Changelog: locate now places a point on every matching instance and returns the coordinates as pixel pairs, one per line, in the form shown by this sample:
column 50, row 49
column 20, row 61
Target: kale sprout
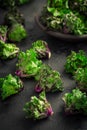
column 79, row 5
column 74, row 23
column 81, row 78
column 41, row 48
column 17, row 33
column 10, row 85
column 38, row 108
column 54, row 5
column 28, row 65
column 3, row 33
column 13, row 16
column 48, row 80
column 75, row 102
column 75, row 61
column 8, row 50
column 15, row 21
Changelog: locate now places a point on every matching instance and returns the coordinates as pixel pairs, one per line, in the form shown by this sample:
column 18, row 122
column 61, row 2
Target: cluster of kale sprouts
column 29, row 64
column 65, row 16
column 62, row 15
column 76, row 65
column 48, row 80
column 12, row 30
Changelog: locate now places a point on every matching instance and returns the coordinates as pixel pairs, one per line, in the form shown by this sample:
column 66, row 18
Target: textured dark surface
column 12, row 116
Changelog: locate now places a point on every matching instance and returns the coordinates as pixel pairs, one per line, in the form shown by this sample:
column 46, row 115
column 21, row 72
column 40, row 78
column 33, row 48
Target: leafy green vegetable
column 57, row 3
column 38, row 108
column 81, row 78
column 48, row 80
column 16, row 33
column 75, row 61
column 58, row 16
column 28, row 64
column 74, row 23
column 75, row 102
column 51, row 21
column 15, row 21
column 13, row 16
column 10, row 85
column 41, row 48
column 3, row 32
column 8, row 50
column 54, row 5
column 79, row 5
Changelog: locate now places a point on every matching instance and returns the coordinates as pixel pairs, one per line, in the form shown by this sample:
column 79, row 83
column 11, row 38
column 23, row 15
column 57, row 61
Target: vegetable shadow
column 73, row 122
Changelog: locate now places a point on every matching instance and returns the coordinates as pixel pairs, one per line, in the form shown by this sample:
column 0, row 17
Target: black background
column 12, row 116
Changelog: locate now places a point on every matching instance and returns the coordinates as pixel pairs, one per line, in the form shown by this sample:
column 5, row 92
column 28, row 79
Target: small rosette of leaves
column 13, row 17
column 53, row 5
column 8, row 50
column 3, row 33
column 17, row 33
column 52, row 14
column 10, row 85
column 53, row 21
column 28, row 65
column 75, row 102
column 41, row 48
column 79, row 5
column 81, row 78
column 48, row 80
column 75, row 61
column 74, row 23
column 38, row 108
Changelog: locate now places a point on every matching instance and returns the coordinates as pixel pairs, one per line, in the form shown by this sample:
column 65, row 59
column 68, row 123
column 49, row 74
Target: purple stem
column 49, row 111
column 18, row 73
column 48, row 52
column 38, row 88
column 3, row 38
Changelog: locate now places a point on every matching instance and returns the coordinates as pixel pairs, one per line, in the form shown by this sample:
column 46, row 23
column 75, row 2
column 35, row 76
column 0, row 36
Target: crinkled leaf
column 10, row 86
column 38, row 108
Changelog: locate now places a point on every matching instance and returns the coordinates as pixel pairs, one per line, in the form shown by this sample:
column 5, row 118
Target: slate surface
column 12, row 116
